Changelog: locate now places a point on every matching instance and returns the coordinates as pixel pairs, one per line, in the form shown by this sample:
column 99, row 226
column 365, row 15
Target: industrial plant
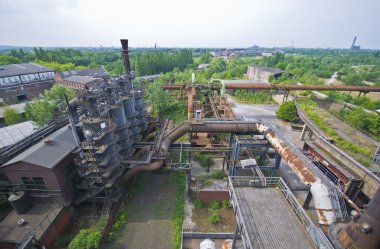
column 92, row 154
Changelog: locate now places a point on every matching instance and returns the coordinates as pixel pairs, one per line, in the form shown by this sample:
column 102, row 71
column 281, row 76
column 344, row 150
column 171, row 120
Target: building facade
column 258, row 72
column 43, row 169
column 21, row 82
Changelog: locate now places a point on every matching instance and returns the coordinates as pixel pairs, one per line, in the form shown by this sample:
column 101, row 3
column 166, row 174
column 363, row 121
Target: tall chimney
column 124, row 51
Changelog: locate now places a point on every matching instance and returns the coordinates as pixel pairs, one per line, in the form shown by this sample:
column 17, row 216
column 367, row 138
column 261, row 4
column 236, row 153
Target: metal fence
column 315, row 233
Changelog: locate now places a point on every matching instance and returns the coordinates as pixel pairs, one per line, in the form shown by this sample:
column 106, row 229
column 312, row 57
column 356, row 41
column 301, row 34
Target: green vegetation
column 198, row 204
column 226, row 204
column 361, row 101
column 213, row 212
column 249, row 97
column 213, row 216
column 4, row 203
column 178, row 217
column 138, row 184
column 287, row 111
column 164, row 105
column 121, row 220
column 219, row 174
column 43, row 110
column 88, row 238
column 11, row 116
column 368, row 122
column 317, row 116
column 204, row 159
column 160, row 62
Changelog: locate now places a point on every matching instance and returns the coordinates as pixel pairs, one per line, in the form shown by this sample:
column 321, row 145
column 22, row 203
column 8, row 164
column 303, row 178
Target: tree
column 11, row 116
column 58, row 92
column 287, row 111
column 40, row 111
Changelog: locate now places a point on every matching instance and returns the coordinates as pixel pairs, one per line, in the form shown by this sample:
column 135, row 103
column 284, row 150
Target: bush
column 287, row 111
column 117, row 225
column 218, row 174
column 204, row 159
column 213, row 216
column 215, row 205
column 226, row 204
column 86, row 239
column 198, row 204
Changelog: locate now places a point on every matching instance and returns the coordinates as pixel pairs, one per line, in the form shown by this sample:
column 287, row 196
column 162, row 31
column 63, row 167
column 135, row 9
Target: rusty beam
column 363, row 89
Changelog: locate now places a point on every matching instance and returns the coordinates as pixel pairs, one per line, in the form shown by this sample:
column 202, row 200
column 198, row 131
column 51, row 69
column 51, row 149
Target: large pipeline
column 290, row 87
column 190, row 103
column 319, row 190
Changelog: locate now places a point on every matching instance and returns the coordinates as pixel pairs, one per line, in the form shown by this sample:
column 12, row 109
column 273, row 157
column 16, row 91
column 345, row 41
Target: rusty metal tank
column 227, row 244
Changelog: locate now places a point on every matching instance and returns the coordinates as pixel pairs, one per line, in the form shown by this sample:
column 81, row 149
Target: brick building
column 42, row 170
column 20, row 82
column 258, row 72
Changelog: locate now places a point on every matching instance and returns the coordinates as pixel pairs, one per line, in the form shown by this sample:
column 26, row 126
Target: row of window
column 13, row 80
column 34, row 184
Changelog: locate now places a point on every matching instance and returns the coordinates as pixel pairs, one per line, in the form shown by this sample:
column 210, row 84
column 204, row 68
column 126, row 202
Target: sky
column 191, row 23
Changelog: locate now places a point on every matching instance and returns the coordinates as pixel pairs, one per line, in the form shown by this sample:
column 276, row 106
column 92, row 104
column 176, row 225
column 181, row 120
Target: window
column 34, row 184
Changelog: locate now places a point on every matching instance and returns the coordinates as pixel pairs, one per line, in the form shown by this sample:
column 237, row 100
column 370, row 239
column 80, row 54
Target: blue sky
column 195, row 23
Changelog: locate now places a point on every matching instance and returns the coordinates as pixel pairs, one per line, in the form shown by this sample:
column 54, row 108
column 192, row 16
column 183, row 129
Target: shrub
column 287, row 111
column 86, row 239
column 198, row 204
column 213, row 216
column 218, row 174
column 226, row 204
column 215, row 205
column 117, row 225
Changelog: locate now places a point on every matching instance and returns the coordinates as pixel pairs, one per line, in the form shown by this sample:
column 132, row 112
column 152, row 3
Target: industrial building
column 109, row 140
column 258, row 72
column 21, row 82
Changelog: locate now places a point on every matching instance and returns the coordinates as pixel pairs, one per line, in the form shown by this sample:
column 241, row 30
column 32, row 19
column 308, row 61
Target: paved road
column 267, row 113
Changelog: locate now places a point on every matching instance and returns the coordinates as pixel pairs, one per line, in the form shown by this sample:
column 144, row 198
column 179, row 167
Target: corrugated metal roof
column 93, row 72
column 81, row 79
column 48, row 154
column 11, row 134
column 24, row 68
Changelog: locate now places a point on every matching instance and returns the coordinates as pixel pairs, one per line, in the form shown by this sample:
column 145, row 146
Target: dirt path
column 150, row 212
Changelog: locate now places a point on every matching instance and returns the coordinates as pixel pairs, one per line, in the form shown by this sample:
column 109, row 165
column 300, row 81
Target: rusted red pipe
column 190, row 103
column 291, row 87
column 145, row 167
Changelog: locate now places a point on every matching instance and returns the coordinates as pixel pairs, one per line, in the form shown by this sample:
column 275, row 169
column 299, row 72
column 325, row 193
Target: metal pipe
column 319, row 190
column 190, row 103
column 290, row 87
column 124, row 51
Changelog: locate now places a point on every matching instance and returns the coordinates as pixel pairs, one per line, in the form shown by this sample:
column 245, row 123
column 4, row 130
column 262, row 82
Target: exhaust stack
column 124, row 51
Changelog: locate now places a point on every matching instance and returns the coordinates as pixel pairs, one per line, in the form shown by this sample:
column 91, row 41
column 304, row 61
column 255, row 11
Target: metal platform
column 270, row 216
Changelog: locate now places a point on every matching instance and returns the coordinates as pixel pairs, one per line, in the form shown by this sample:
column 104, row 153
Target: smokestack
column 124, row 51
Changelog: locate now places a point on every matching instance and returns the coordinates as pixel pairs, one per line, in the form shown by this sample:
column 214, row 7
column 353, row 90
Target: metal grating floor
column 270, row 222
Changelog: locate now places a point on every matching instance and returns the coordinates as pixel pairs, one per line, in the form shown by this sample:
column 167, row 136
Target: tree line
column 159, row 62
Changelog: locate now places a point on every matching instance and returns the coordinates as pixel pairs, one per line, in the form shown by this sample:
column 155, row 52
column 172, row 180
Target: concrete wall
column 208, row 196
column 371, row 182
column 31, row 90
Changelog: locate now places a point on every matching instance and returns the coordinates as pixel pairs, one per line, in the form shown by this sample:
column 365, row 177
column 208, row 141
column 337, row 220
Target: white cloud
column 196, row 23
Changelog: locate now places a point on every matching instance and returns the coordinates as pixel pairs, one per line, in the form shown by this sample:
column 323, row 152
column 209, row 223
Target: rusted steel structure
column 364, row 89
column 364, row 229
column 304, row 87
column 318, row 189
